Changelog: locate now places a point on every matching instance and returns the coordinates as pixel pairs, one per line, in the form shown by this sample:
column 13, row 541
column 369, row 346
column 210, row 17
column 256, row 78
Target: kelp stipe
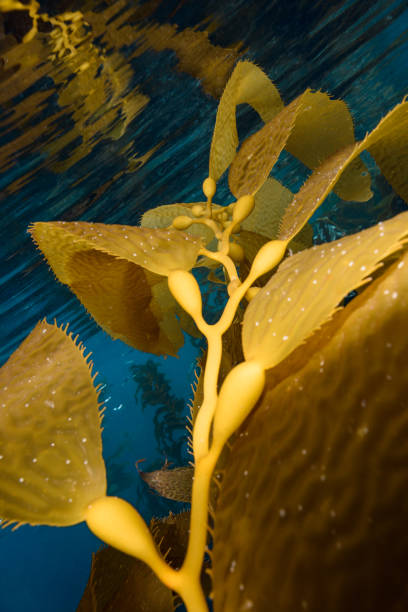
column 144, row 284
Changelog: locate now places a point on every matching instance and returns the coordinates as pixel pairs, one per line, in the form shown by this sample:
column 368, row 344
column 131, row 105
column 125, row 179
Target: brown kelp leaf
column 391, row 152
column 120, row 582
column 108, row 268
column 173, row 483
column 51, row 464
column 259, row 152
column 247, row 84
column 121, row 297
column 314, row 493
column 387, row 139
column 323, row 127
column 171, row 535
column 157, row 250
column 271, row 202
column 307, row 288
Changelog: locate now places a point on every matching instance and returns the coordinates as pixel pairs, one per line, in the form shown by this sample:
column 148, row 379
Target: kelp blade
column 51, row 464
column 314, row 496
column 247, row 84
column 313, row 128
column 387, row 143
column 115, row 270
column 308, row 287
column 323, row 127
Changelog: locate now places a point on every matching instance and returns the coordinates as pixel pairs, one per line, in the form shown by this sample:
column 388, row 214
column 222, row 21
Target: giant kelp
column 314, row 479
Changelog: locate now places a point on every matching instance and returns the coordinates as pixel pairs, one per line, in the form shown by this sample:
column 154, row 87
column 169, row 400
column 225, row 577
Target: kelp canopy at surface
column 248, row 596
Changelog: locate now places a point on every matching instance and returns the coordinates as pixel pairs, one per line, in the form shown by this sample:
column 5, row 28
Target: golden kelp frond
column 323, row 127
column 313, row 128
column 162, row 216
column 387, row 142
column 307, row 288
column 247, row 84
column 109, row 270
column 259, row 152
column 51, row 464
column 314, row 492
column 120, row 297
column 157, row 250
column 271, row 201
column 173, row 483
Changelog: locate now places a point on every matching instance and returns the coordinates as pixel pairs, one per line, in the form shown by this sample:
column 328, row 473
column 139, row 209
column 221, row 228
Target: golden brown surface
column 51, row 464
column 312, row 512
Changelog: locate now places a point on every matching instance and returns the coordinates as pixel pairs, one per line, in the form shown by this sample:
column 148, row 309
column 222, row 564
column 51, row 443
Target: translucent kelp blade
column 173, row 483
column 391, row 153
column 123, row 299
column 247, row 84
column 271, row 201
column 113, row 280
column 307, row 288
column 259, row 152
column 157, row 250
column 323, row 127
column 315, row 492
column 51, row 464
column 162, row 216
column 387, row 139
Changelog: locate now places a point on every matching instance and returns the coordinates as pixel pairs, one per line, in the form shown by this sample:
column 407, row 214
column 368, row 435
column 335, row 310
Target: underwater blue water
column 356, row 50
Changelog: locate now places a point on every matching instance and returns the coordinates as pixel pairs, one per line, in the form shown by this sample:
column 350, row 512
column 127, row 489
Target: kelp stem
column 191, row 569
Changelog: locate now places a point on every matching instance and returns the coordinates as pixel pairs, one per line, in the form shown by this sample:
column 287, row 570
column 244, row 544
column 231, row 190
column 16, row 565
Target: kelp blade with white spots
column 314, row 490
column 51, row 464
column 308, row 287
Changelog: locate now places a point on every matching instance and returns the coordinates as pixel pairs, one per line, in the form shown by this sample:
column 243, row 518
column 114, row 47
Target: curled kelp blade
column 313, row 128
column 388, row 145
column 247, row 84
column 307, row 288
column 314, row 492
column 175, row 483
column 111, row 269
column 323, row 127
column 51, row 464
column 158, row 250
column 259, row 153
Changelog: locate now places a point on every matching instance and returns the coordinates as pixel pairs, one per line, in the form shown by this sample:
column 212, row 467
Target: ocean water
column 132, row 131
